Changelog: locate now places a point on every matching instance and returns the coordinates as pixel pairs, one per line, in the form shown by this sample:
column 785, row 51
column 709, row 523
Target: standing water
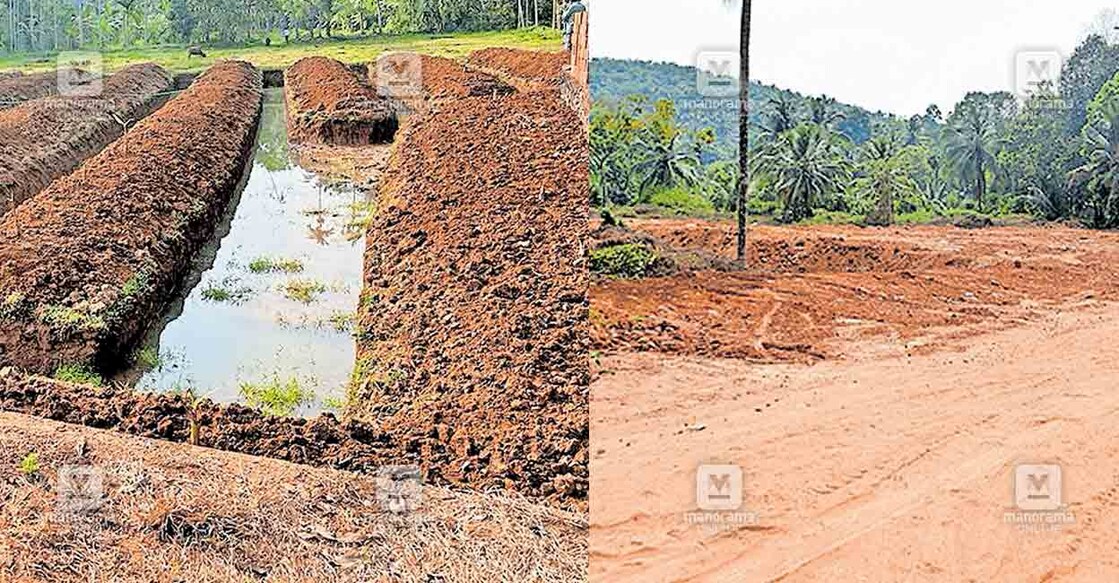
column 270, row 305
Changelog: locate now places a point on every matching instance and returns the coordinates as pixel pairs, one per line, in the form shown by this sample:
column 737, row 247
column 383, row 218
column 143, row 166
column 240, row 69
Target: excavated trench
column 272, row 296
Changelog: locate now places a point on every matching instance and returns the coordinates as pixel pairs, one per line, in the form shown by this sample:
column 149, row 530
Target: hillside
column 613, row 79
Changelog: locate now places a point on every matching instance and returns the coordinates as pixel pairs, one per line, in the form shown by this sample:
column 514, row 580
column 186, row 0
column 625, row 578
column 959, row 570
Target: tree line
column 28, row 26
column 1054, row 156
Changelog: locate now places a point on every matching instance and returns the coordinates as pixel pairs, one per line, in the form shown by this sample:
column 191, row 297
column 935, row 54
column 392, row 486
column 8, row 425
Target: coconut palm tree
column 1099, row 176
column 743, row 127
column 806, row 167
column 971, row 144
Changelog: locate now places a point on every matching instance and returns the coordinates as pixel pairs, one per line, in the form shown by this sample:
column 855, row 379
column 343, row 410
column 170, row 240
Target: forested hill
column 613, row 79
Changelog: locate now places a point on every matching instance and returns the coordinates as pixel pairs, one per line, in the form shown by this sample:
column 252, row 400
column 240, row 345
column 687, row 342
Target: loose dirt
column 472, row 326
column 810, row 291
column 44, row 139
column 16, row 89
column 438, row 78
column 328, row 104
column 87, row 264
column 876, row 469
column 524, row 69
column 173, row 512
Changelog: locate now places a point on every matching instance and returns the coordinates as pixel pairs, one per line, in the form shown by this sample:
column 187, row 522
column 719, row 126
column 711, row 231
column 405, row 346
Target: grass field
column 174, row 58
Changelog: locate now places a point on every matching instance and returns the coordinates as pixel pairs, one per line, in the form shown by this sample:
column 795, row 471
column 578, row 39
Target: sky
column 889, row 55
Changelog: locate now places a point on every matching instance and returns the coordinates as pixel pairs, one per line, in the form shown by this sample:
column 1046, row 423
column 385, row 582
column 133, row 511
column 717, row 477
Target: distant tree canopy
column 1054, row 155
column 53, row 25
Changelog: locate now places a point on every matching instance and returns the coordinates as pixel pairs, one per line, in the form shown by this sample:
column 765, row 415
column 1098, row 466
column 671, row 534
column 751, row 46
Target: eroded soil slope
column 16, row 89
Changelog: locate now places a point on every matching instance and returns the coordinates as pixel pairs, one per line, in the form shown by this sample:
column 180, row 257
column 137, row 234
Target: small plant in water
column 29, row 465
column 278, row 398
column 270, row 265
column 148, row 358
column 78, row 374
column 302, row 290
column 225, row 291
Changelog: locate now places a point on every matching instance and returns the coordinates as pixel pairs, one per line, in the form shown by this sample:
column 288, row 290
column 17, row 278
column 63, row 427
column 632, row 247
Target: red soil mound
column 19, row 88
column 520, row 67
column 324, row 441
column 438, row 79
column 46, row 138
column 328, row 104
column 88, row 262
column 473, row 319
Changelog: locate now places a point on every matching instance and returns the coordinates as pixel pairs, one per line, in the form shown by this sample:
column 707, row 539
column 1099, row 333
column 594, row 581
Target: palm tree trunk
column 980, row 181
column 743, row 132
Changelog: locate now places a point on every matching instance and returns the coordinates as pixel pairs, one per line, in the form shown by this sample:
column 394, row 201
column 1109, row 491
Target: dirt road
column 884, row 467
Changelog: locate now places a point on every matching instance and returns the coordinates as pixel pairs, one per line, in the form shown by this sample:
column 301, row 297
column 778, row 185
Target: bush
column 834, row 218
column 629, row 260
column 78, row 374
column 682, row 201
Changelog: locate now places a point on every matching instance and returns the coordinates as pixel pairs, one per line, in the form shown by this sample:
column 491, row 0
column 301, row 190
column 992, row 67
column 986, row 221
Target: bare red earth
column 19, row 88
column 87, row 263
column 520, row 67
column 44, row 139
column 473, row 319
column 809, row 291
column 442, row 79
column 328, row 104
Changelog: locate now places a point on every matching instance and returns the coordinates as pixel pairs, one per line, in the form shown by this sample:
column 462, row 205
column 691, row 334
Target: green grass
column 279, row 55
column 29, row 465
column 71, row 319
column 302, row 290
column 270, row 265
column 225, row 291
column 682, row 201
column 79, row 375
column 148, row 358
column 278, row 398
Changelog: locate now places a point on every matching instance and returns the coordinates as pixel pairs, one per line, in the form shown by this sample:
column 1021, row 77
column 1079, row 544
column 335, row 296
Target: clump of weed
column 628, row 260
column 148, row 358
column 276, row 397
column 342, row 321
column 302, row 290
column 67, row 318
column 226, row 290
column 78, row 374
column 29, row 465
column 136, row 284
column 270, row 265
column 337, row 404
column 13, row 305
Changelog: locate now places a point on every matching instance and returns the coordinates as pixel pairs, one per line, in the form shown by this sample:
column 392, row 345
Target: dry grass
column 174, row 512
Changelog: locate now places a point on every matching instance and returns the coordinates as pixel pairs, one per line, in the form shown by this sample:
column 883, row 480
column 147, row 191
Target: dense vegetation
column 43, row 26
column 1054, row 156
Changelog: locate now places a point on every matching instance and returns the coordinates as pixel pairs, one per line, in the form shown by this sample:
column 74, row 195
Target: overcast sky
column 897, row 56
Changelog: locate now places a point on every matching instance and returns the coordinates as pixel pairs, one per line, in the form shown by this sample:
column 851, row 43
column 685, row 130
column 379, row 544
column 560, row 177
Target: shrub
column 682, row 201
column 78, row 374
column 629, row 260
